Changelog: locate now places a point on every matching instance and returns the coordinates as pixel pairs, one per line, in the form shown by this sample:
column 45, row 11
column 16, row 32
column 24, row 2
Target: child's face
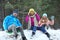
column 15, row 14
column 31, row 13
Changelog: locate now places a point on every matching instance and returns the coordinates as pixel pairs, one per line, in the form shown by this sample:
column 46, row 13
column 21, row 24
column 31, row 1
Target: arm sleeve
column 51, row 22
column 38, row 17
column 27, row 18
column 5, row 21
column 19, row 23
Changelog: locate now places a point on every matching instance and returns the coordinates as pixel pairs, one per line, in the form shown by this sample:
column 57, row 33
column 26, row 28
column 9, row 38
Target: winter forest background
column 51, row 7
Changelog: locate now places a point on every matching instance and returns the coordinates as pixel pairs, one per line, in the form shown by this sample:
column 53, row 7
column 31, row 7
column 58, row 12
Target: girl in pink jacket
column 44, row 21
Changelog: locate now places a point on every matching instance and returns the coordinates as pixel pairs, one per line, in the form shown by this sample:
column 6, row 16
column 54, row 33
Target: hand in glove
column 52, row 17
column 6, row 30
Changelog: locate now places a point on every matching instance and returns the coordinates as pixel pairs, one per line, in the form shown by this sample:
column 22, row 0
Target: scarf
column 35, row 21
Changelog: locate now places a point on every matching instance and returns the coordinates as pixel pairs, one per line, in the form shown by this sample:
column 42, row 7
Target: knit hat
column 44, row 14
column 15, row 11
column 31, row 10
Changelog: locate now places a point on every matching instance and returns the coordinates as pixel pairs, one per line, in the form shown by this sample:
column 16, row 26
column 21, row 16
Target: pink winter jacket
column 32, row 19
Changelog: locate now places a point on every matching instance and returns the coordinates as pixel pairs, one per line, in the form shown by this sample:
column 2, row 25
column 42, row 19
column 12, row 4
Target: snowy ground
column 55, row 35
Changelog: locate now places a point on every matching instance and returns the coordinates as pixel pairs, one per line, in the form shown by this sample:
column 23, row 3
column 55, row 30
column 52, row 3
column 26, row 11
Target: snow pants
column 14, row 30
column 42, row 28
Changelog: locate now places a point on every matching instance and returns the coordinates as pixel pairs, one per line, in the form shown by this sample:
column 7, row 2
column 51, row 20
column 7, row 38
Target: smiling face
column 44, row 19
column 31, row 13
column 15, row 14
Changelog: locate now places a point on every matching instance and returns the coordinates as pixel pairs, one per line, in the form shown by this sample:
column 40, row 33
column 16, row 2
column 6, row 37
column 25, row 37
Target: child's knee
column 43, row 30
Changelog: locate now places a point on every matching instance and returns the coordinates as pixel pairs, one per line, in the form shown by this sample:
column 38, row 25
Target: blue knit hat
column 15, row 11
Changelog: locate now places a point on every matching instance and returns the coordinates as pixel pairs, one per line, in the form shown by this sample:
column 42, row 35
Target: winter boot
column 16, row 35
column 48, row 35
column 24, row 38
column 33, row 33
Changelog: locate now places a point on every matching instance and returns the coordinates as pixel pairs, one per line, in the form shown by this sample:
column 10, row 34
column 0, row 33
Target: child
column 45, row 22
column 32, row 19
column 11, row 22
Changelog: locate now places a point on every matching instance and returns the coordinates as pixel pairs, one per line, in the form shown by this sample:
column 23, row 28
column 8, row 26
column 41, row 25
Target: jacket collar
column 12, row 15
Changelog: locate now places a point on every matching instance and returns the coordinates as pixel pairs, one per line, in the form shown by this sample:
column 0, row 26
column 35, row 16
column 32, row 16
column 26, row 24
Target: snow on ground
column 55, row 35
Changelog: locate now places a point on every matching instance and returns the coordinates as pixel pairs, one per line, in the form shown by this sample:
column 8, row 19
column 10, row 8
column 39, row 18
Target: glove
column 6, row 30
column 52, row 17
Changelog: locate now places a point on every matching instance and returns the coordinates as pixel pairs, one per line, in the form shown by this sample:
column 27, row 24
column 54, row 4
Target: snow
column 55, row 35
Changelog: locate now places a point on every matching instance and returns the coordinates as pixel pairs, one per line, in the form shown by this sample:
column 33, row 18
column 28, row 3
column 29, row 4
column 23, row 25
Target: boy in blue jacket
column 12, row 23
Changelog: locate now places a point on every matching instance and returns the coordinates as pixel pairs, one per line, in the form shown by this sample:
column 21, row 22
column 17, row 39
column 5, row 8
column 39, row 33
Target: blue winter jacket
column 9, row 20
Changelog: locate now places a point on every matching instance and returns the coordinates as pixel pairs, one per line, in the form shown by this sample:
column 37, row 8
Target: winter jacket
column 32, row 21
column 9, row 20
